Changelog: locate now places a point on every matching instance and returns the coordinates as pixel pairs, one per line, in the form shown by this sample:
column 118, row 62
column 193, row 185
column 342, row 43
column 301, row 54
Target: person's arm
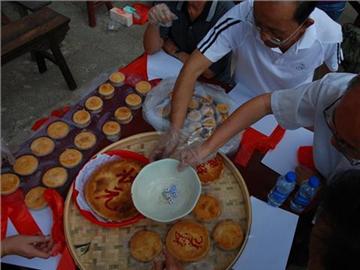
column 246, row 115
column 170, row 48
column 27, row 246
column 184, row 87
column 242, row 118
column 321, row 72
column 152, row 39
column 160, row 14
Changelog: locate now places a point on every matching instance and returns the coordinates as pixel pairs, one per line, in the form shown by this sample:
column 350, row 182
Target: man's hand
column 161, row 14
column 170, row 47
column 170, row 263
column 193, row 156
column 167, row 144
column 27, row 246
column 182, row 56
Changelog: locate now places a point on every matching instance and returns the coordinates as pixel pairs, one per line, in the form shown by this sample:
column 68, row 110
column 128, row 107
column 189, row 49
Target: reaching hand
column 170, row 263
column 161, row 14
column 27, row 246
column 170, row 47
column 167, row 144
column 193, row 156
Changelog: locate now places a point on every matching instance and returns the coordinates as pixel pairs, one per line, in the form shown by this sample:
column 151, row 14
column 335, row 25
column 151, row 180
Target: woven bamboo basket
column 95, row 247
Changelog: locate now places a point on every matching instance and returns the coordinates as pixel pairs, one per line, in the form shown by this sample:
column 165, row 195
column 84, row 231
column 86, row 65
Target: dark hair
column 303, row 10
column 342, row 204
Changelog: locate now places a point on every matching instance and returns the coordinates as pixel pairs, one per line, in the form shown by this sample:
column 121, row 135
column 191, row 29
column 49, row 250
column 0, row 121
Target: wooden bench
column 37, row 33
column 356, row 6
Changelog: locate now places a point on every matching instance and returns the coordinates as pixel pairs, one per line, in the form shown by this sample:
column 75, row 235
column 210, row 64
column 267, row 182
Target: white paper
column 43, row 218
column 271, row 235
column 160, row 65
column 266, row 125
column 284, row 157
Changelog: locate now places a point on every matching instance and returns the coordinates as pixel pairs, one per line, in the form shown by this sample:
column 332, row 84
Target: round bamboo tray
column 95, row 247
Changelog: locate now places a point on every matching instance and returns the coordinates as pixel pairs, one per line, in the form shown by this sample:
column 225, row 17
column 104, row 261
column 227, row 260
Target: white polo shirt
column 305, row 108
column 262, row 69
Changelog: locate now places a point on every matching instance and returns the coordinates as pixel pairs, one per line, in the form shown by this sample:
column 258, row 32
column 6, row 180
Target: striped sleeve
column 221, row 39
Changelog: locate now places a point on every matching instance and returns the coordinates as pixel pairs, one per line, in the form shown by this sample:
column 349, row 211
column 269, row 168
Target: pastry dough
column 211, row 170
column 85, row 140
column 108, row 190
column 222, row 108
column 26, row 165
column 55, row 177
column 188, row 241
column 112, row 130
column 228, row 235
column 9, row 183
column 117, row 79
column 194, row 104
column 94, row 104
column 34, row 199
column 42, row 146
column 123, row 115
column 143, row 87
column 58, row 130
column 81, row 118
column 145, row 245
column 133, row 101
column 70, row 158
column 106, row 90
column 207, row 208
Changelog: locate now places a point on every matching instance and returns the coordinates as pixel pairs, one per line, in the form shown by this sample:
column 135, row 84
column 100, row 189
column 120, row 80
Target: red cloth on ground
column 56, row 113
column 136, row 70
column 14, row 208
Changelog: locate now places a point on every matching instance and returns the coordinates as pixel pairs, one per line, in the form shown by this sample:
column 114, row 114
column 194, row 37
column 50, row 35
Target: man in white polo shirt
column 277, row 45
column 265, row 59
column 329, row 106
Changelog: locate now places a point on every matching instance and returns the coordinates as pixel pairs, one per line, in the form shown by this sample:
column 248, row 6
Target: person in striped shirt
column 276, row 45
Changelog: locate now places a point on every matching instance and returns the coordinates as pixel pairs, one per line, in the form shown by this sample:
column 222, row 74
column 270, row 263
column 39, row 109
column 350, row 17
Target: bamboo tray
column 95, row 247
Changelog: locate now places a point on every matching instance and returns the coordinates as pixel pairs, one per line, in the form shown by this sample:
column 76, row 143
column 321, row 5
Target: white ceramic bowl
column 148, row 186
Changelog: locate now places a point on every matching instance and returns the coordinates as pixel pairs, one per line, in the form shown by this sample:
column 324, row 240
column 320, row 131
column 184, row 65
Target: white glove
column 161, row 15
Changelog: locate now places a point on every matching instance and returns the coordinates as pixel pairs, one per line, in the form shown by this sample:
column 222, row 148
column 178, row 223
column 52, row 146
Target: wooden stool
column 91, row 8
column 38, row 32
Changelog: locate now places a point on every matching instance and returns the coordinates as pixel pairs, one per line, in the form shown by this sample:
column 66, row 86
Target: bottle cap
column 314, row 181
column 290, row 177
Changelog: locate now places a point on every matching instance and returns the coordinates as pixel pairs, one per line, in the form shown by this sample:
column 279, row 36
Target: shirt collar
column 308, row 39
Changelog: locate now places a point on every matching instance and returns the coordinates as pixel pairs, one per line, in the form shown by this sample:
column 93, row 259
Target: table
column 36, row 33
column 259, row 180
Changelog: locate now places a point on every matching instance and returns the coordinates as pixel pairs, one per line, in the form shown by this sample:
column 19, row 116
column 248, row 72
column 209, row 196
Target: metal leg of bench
column 357, row 21
column 91, row 13
column 40, row 60
column 109, row 5
column 60, row 61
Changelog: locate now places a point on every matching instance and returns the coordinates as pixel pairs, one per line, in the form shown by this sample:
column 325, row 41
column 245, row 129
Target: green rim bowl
column 149, row 185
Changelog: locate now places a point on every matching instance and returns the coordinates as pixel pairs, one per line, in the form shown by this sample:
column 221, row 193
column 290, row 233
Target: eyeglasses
column 346, row 149
column 276, row 41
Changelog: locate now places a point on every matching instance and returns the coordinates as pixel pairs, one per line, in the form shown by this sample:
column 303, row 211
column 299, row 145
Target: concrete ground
column 27, row 95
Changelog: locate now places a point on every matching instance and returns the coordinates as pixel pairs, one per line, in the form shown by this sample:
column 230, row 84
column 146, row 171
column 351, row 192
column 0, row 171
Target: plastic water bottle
column 305, row 194
column 284, row 186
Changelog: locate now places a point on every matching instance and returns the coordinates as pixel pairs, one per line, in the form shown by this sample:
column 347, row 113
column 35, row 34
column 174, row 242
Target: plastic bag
column 209, row 107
